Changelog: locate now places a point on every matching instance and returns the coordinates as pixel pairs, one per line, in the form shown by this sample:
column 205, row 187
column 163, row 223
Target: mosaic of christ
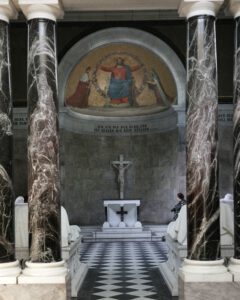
column 120, row 75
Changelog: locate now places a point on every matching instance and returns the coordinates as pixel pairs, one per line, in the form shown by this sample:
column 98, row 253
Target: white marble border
column 124, row 35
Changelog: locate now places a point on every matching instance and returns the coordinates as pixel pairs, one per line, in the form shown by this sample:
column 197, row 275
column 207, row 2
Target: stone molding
column 234, row 268
column 234, row 8
column 204, row 271
column 191, row 8
column 9, row 272
column 7, row 10
column 46, row 9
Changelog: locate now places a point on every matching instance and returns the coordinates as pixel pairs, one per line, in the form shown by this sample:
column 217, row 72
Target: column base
column 43, row 273
column 9, row 272
column 204, row 271
column 34, row 291
column 206, row 280
column 234, row 268
column 43, row 281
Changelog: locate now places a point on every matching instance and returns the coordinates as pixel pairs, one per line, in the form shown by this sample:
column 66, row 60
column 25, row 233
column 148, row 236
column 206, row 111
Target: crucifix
column 122, row 213
column 121, row 165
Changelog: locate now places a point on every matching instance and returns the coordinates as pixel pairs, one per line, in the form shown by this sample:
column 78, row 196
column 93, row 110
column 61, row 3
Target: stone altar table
column 122, row 221
column 122, row 214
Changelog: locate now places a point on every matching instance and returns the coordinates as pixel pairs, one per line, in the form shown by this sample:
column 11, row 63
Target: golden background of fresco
column 148, row 59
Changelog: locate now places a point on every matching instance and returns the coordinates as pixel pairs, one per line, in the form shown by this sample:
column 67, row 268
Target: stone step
column 107, row 240
column 148, row 233
column 119, row 236
column 123, row 234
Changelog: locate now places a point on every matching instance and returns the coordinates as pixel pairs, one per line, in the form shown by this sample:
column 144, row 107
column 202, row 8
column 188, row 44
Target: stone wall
column 88, row 176
column 225, row 160
column 20, row 163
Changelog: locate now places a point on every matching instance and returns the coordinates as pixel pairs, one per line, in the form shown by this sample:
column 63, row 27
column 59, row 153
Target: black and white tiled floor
column 124, row 271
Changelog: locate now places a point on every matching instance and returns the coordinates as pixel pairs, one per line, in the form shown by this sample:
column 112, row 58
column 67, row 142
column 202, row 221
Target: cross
column 121, row 165
column 122, row 213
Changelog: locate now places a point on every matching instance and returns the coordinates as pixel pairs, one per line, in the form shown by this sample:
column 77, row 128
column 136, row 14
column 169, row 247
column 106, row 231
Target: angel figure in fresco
column 155, row 84
column 121, row 88
column 81, row 94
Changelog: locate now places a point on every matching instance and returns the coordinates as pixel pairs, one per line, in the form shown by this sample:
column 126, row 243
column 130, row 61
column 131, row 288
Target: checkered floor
column 123, row 271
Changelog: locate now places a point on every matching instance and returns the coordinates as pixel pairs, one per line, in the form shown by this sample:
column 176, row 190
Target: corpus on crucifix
column 121, row 165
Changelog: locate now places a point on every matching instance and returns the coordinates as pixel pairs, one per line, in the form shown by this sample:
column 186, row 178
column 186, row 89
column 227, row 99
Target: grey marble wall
column 85, row 166
column 225, row 160
column 88, row 177
column 20, row 161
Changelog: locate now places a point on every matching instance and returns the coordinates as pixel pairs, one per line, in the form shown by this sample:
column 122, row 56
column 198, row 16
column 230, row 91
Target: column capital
column 7, row 10
column 234, row 8
column 191, row 8
column 46, row 9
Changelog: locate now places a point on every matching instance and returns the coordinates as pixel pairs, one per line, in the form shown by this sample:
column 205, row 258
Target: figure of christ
column 121, row 166
column 120, row 88
column 80, row 96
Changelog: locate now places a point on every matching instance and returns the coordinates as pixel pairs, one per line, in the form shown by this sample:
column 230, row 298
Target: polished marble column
column 234, row 264
column 43, row 143
column 6, row 151
column 9, row 267
column 203, row 264
column 202, row 141
column 236, row 140
column 45, row 265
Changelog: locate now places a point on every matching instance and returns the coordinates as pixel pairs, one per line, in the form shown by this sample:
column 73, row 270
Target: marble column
column 43, row 132
column 202, row 142
column 6, row 150
column 45, row 264
column 236, row 141
column 7, row 252
column 43, row 143
column 203, row 263
column 234, row 265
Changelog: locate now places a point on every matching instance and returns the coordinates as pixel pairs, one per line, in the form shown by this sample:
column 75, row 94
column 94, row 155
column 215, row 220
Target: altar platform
column 122, row 223
column 148, row 233
column 124, row 234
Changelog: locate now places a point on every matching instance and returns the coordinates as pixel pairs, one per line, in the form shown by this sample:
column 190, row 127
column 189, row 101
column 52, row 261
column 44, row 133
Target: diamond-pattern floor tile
column 142, row 293
column 107, row 294
column 122, row 271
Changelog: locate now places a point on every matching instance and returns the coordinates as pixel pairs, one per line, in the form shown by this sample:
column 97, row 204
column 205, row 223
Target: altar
column 122, row 214
column 122, row 222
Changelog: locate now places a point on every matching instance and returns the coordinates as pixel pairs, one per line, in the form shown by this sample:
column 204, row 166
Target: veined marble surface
column 236, row 140
column 202, row 144
column 6, row 140
column 43, row 144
